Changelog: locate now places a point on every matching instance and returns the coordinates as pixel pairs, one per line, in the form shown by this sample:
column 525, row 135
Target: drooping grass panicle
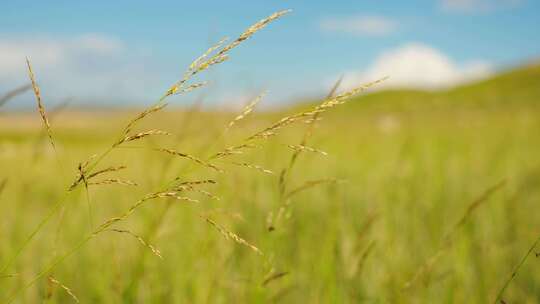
column 154, row 250
column 472, row 207
column 190, row 157
column 13, row 93
column 231, row 235
column 41, row 107
column 218, row 53
column 447, row 239
column 198, row 65
column 324, row 106
column 54, row 281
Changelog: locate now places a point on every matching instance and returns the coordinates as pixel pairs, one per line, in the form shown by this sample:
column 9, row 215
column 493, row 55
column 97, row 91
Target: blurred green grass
column 412, row 162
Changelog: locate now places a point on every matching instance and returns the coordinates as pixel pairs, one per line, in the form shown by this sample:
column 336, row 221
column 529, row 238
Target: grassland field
column 391, row 222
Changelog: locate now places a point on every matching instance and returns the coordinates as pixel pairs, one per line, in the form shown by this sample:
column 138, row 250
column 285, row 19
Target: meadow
column 377, row 197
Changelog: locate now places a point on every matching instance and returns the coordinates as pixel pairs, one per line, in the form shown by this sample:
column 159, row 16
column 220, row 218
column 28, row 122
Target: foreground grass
column 406, row 178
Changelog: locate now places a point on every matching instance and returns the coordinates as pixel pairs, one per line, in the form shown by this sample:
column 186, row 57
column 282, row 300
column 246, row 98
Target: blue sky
column 122, row 52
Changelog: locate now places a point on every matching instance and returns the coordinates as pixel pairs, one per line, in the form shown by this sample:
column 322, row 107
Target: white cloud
column 91, row 67
column 477, row 5
column 418, row 66
column 360, row 25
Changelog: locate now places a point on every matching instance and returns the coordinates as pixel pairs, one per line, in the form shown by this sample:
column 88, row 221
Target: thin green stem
column 514, row 273
column 43, row 222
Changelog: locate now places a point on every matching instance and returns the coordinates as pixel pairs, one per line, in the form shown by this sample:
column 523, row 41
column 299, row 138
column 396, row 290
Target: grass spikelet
column 40, row 106
column 285, row 121
column 199, row 182
column 198, row 65
column 187, row 187
column 300, row 148
column 15, row 92
column 142, row 115
column 190, row 157
column 235, row 150
column 54, row 281
column 85, row 164
column 112, row 181
column 342, row 98
column 154, row 250
column 192, row 87
column 83, row 177
column 252, row 30
column 230, row 235
column 310, row 184
column 171, row 194
column 140, row 135
column 255, row 167
column 247, row 109
column 197, row 62
column 107, row 170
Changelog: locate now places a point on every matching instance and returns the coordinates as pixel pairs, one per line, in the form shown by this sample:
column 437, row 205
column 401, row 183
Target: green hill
column 519, row 87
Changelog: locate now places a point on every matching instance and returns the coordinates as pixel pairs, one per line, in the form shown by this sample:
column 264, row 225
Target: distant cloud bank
column 471, row 6
column 360, row 25
column 88, row 65
column 418, row 66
